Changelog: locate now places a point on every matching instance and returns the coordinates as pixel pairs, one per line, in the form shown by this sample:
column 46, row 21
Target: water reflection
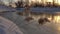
column 58, row 28
column 36, row 16
column 57, row 18
column 48, row 28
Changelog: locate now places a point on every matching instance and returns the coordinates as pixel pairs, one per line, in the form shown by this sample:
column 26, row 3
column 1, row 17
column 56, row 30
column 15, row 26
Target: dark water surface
column 32, row 27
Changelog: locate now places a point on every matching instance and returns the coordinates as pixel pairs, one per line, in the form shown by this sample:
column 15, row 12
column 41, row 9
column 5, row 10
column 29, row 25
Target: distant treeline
column 20, row 4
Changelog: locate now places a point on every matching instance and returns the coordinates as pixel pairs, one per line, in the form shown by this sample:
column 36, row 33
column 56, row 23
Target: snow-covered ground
column 32, row 27
column 8, row 27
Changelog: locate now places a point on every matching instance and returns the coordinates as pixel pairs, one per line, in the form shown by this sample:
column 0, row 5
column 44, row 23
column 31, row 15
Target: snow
column 8, row 27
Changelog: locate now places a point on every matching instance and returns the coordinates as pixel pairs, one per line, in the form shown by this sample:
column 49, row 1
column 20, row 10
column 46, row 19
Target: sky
column 29, row 0
column 7, row 1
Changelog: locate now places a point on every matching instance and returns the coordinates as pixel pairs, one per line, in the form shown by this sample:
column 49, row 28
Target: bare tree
column 19, row 4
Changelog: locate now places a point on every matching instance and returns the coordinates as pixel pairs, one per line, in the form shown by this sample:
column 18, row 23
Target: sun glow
column 49, row 0
column 58, row 2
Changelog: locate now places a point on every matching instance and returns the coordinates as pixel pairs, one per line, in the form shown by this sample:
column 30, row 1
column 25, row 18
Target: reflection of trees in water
column 43, row 20
column 40, row 17
column 29, row 19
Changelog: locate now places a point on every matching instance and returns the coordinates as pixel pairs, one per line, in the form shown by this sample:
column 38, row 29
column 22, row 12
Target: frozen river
column 32, row 27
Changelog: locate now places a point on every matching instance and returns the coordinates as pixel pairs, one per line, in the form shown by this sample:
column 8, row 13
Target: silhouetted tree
column 19, row 4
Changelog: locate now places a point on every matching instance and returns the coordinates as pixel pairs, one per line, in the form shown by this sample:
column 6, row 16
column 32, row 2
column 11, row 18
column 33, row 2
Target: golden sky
column 7, row 1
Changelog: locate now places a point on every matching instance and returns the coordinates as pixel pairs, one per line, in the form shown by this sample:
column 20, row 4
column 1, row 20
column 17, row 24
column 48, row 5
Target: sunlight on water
column 58, row 28
column 53, row 18
column 57, row 19
column 51, row 27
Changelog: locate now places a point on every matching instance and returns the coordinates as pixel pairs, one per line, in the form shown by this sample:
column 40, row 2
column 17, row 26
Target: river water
column 33, row 27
